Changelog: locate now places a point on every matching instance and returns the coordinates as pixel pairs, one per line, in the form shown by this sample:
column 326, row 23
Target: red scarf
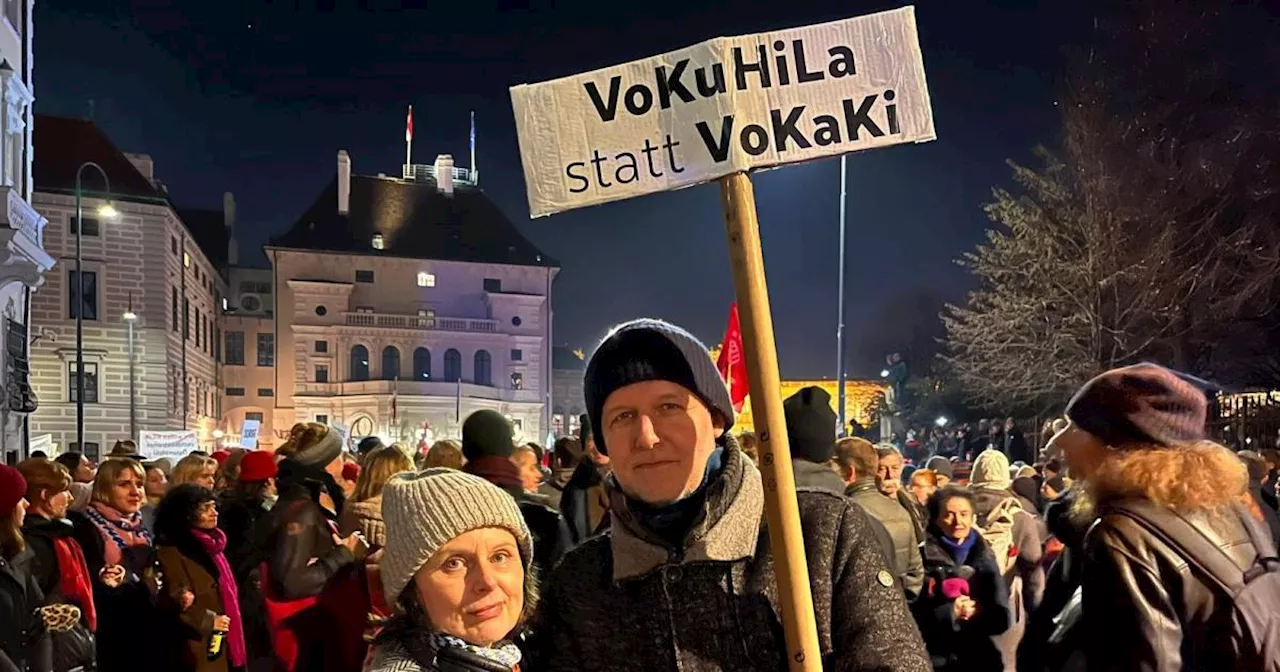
column 75, row 584
column 499, row 471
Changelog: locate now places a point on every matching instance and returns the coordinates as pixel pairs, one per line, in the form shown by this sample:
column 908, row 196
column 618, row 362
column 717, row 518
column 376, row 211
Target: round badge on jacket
column 885, row 578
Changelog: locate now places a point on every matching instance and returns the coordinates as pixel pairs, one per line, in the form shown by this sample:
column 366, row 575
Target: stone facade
column 24, row 261
column 146, row 259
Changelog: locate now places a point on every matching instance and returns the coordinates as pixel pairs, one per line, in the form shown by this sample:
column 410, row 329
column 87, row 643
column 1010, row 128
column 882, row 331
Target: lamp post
column 106, row 211
column 130, row 317
column 840, row 374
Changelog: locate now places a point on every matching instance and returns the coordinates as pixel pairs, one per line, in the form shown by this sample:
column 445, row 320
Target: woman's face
column 157, row 483
column 206, row 477
column 126, row 494
column 921, row 490
column 85, row 471
column 473, row 587
column 956, row 518
column 19, row 512
column 53, row 504
column 206, row 517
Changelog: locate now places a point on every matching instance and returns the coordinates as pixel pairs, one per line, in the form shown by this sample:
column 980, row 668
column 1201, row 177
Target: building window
column 217, row 344
column 175, row 310
column 88, row 307
column 516, row 321
column 266, row 392
column 321, row 311
column 426, row 279
column 322, row 346
column 483, row 364
column 186, row 319
column 235, row 347
column 422, row 364
column 253, row 415
column 452, row 365
column 517, row 355
column 390, row 363
column 186, row 260
column 266, row 350
column 90, row 451
column 322, row 373
column 364, row 276
column 199, row 327
column 517, row 381
column 91, row 226
column 322, row 418
column 90, row 382
column 235, row 391
column 359, row 364
column 492, row 285
column 173, row 245
column 377, row 241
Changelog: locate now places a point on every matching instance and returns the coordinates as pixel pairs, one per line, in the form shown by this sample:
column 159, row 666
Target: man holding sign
column 685, row 577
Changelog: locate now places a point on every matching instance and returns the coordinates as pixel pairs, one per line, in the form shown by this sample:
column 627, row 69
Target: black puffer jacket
column 625, row 601
column 24, row 644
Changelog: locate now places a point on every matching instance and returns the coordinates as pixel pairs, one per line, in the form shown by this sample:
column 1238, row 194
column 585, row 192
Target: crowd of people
column 1130, row 543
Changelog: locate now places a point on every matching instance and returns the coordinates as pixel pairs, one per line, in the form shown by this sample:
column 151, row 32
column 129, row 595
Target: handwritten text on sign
column 725, row 105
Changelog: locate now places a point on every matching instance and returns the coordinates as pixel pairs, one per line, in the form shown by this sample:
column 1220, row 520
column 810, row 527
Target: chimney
column 344, row 182
column 229, row 220
column 444, row 173
column 143, row 164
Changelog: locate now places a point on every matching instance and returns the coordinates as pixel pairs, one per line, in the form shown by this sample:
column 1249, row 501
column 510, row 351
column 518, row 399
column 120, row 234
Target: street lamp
column 129, row 318
column 105, row 211
column 941, row 421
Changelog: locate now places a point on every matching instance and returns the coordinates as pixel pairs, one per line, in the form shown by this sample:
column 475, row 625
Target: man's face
column 659, row 436
column 85, row 471
column 889, row 475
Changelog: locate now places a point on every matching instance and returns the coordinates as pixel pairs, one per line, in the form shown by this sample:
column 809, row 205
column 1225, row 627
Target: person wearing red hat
column 220, row 456
column 350, row 476
column 239, row 514
column 20, row 594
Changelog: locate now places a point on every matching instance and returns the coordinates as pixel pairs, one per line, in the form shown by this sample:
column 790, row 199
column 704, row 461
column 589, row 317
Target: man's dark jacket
column 627, row 602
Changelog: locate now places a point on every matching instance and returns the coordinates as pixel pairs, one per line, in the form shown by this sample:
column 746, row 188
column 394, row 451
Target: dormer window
column 377, row 241
column 426, row 279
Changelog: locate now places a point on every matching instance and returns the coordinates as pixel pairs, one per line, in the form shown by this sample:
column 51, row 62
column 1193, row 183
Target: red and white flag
column 732, row 364
column 408, row 126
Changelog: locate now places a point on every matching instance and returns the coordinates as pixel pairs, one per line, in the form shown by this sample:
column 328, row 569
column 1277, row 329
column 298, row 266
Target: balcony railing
column 411, row 388
column 420, row 322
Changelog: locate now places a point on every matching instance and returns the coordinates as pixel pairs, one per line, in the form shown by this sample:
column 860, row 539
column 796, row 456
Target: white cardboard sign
column 726, row 105
column 174, row 445
column 249, row 434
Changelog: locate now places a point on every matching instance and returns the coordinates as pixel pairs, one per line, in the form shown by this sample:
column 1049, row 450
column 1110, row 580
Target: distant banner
column 173, row 445
column 726, row 105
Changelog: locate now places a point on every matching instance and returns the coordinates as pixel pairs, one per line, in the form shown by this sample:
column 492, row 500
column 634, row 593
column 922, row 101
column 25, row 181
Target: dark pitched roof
column 209, row 231
column 416, row 221
column 62, row 145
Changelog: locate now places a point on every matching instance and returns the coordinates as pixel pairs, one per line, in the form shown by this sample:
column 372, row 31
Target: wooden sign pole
column 781, row 510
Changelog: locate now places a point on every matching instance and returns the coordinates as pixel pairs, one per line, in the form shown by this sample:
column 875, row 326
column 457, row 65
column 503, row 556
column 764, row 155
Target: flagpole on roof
column 475, row 172
column 408, row 138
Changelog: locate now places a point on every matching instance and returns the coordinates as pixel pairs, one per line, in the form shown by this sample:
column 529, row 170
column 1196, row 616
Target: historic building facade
column 400, row 305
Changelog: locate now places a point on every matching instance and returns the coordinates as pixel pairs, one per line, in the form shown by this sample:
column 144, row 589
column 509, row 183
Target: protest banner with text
column 727, row 105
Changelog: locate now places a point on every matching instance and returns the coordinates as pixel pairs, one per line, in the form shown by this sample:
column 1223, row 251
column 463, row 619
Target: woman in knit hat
column 458, row 561
column 20, row 594
column 1135, row 439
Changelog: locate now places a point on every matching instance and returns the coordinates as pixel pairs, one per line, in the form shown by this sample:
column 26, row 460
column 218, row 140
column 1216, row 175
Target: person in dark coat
column 200, row 596
column 24, row 644
column 488, row 444
column 240, row 509
column 311, row 574
column 965, row 601
column 684, row 577
column 583, row 501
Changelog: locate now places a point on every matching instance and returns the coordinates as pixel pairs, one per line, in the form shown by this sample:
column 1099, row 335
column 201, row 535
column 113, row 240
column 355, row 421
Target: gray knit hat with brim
column 424, row 511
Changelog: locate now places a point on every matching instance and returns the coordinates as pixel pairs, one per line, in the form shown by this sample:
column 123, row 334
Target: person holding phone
column 201, row 599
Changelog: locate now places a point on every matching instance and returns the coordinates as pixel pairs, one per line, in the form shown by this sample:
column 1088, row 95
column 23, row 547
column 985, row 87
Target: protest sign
column 717, row 110
column 727, row 105
column 174, row 445
column 249, row 434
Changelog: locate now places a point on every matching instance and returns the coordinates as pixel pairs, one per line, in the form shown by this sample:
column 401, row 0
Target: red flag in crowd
column 731, row 363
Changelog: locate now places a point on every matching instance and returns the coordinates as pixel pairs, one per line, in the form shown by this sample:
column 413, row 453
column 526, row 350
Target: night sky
column 257, row 97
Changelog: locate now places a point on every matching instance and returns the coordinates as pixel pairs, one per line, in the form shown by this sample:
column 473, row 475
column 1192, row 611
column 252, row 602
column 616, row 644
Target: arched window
column 422, row 364
column 390, row 363
column 452, row 365
column 483, row 366
column 358, row 369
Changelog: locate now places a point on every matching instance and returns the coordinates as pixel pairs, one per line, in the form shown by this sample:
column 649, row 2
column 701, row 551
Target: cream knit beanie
column 424, row 511
column 990, row 470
